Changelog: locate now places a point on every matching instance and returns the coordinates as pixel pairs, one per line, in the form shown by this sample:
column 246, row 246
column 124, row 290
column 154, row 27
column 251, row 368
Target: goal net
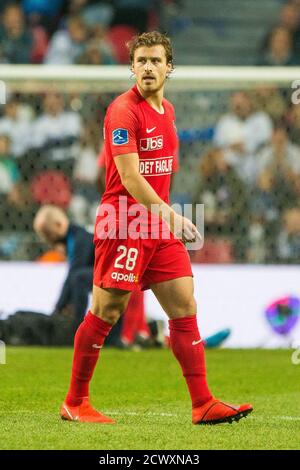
column 239, row 130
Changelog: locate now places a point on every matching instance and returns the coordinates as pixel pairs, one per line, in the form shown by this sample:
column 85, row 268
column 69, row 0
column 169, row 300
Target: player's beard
column 152, row 88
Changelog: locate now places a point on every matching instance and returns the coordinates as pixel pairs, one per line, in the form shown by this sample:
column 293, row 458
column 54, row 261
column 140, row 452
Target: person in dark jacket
column 16, row 40
column 53, row 226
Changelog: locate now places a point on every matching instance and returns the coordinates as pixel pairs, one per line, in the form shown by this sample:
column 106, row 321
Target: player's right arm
column 139, row 188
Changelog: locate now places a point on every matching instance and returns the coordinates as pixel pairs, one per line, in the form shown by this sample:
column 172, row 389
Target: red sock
column 142, row 325
column 183, row 333
column 89, row 339
column 134, row 321
column 130, row 317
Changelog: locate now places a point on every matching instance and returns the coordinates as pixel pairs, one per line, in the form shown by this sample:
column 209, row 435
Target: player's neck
column 154, row 99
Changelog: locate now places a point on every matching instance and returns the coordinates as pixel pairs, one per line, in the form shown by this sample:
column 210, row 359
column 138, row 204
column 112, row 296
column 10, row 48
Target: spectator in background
column 241, row 132
column 279, row 49
column 53, row 226
column 4, row 4
column 135, row 13
column 16, row 215
column 225, row 198
column 16, row 41
column 68, row 45
column 80, row 43
column 275, row 191
column 9, row 174
column 93, row 12
column 43, row 14
column 289, row 237
column 293, row 124
column 85, row 199
column 264, row 216
column 42, row 8
column 289, row 19
column 17, row 211
column 281, row 160
column 17, row 124
column 56, row 126
column 97, row 51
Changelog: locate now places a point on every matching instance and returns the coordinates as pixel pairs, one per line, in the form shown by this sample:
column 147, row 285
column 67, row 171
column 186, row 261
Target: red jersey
column 126, row 257
column 131, row 125
column 101, row 163
column 101, row 158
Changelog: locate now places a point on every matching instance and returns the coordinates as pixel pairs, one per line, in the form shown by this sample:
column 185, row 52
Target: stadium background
column 246, row 172
column 61, row 63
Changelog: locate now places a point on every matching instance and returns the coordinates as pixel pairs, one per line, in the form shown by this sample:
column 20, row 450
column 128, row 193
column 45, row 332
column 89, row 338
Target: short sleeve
column 120, row 130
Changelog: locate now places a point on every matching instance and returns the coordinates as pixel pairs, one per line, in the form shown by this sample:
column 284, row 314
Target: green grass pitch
column 146, row 393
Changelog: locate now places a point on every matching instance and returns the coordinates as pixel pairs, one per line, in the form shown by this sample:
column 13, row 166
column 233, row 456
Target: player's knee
column 186, row 308
column 111, row 312
column 191, row 306
column 111, row 315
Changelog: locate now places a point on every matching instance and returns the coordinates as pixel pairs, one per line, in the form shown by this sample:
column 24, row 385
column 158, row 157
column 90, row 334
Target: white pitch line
column 133, row 413
column 254, row 417
column 283, row 418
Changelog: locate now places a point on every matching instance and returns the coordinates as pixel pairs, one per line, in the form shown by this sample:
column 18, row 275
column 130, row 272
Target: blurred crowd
column 248, row 177
column 94, row 31
column 281, row 45
column 72, row 31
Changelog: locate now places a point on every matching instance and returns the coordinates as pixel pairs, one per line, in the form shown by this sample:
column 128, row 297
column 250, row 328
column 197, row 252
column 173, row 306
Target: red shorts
column 136, row 264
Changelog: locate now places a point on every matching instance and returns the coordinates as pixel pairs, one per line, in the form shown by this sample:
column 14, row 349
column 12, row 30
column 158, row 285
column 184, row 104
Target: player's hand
column 184, row 229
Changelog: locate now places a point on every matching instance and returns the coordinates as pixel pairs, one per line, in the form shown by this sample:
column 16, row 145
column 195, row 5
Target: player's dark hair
column 153, row 38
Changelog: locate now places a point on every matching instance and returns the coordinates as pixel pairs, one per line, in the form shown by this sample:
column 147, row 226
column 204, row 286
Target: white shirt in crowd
column 266, row 157
column 6, row 182
column 47, row 127
column 253, row 131
column 62, row 50
column 19, row 131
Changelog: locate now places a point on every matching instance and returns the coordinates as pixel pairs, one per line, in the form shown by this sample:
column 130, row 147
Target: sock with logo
column 88, row 341
column 188, row 349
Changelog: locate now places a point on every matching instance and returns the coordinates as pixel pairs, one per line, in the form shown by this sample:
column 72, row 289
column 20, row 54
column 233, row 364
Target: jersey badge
column 120, row 136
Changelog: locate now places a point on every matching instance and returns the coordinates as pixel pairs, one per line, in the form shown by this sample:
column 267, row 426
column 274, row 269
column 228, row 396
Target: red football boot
column 217, row 412
column 84, row 413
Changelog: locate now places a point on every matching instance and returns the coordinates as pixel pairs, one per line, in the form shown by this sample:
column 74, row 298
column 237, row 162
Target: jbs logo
column 151, row 143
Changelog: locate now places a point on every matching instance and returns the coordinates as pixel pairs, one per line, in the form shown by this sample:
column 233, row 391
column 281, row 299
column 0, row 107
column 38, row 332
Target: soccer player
column 140, row 143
